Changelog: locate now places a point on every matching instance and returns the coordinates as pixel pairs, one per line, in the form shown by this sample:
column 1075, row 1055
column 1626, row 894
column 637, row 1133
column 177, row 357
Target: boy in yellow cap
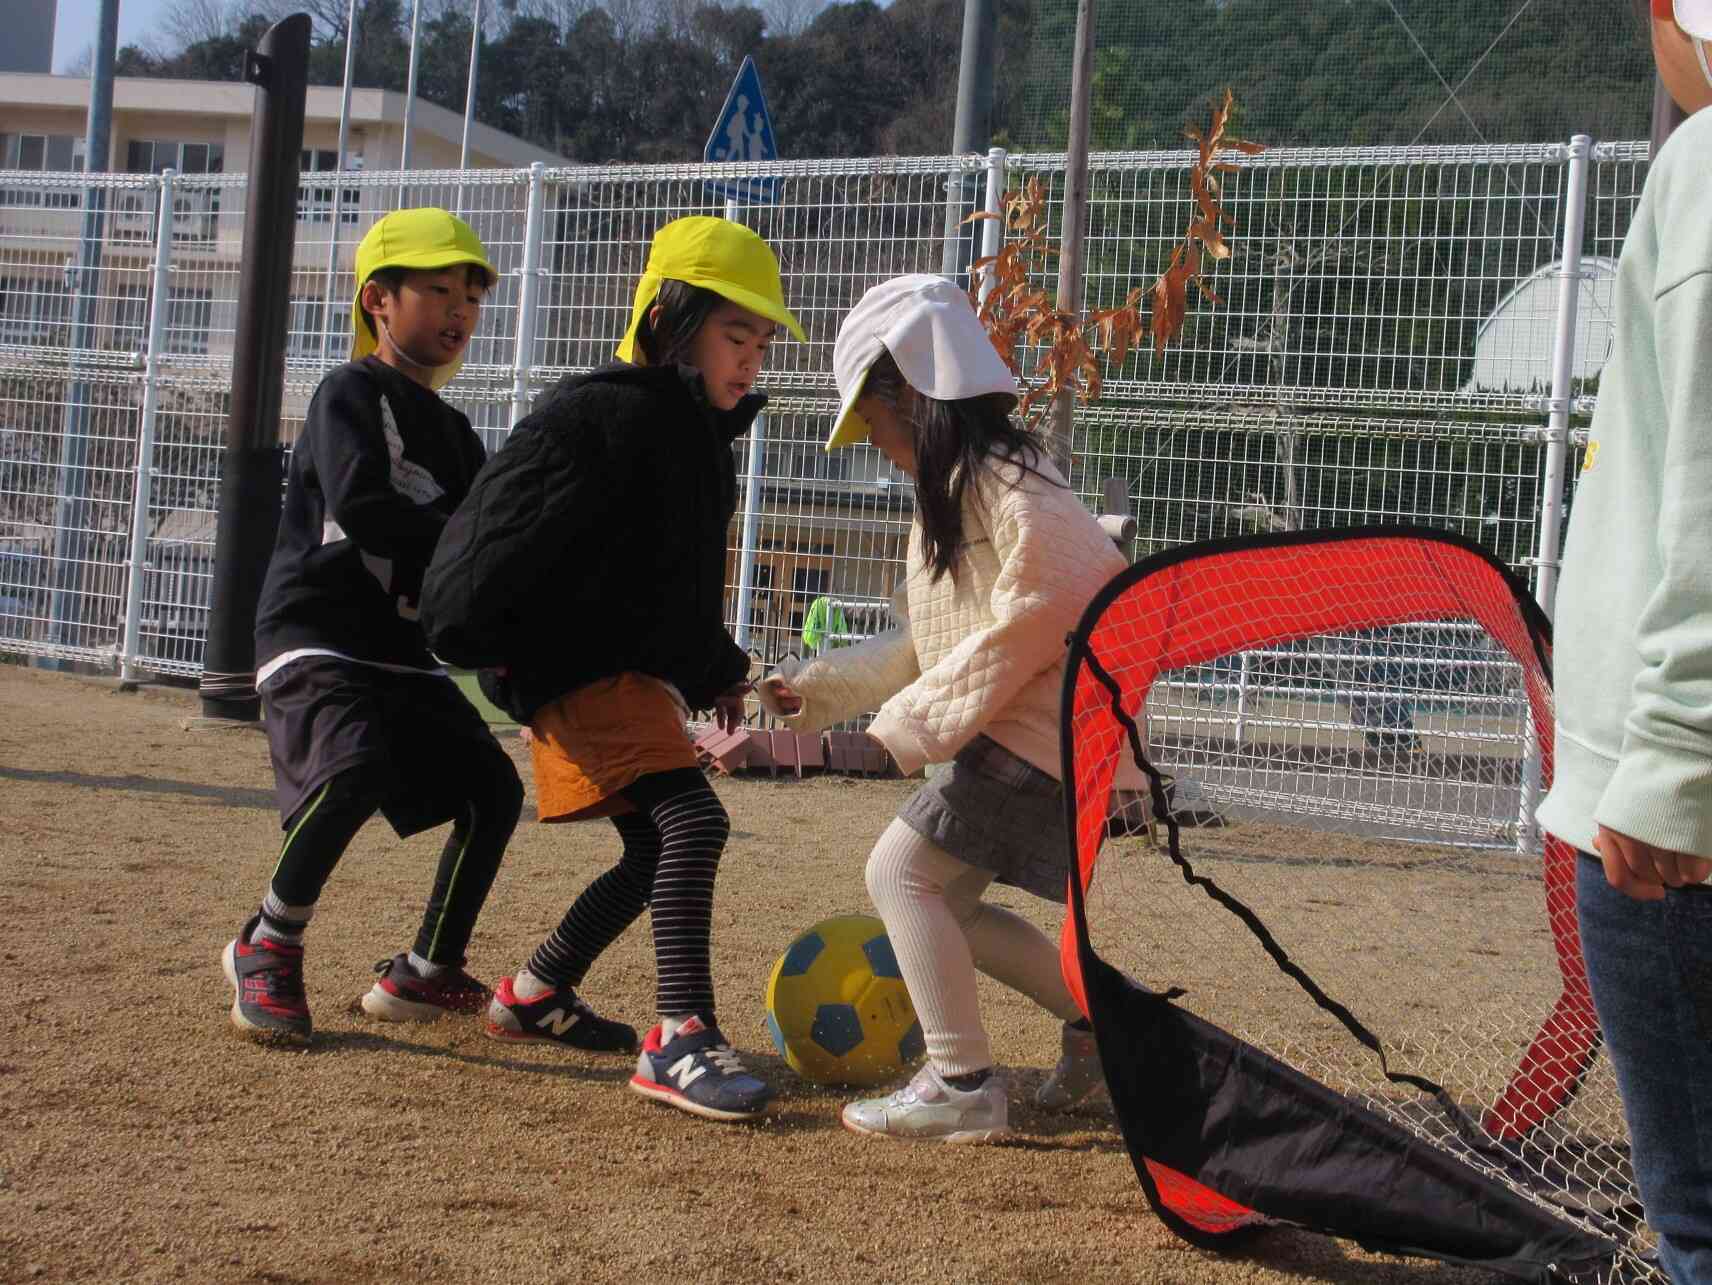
column 360, row 715
column 588, row 564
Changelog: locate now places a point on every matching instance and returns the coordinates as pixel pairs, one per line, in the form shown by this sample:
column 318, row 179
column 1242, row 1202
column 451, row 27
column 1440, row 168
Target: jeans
column 1650, row 967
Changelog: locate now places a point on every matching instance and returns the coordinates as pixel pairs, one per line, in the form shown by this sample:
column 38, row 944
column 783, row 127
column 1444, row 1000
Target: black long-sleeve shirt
column 380, row 465
column 595, row 543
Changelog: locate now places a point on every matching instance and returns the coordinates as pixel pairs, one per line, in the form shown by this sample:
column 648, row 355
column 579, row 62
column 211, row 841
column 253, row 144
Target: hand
column 728, row 710
column 526, row 734
column 1639, row 870
column 779, row 697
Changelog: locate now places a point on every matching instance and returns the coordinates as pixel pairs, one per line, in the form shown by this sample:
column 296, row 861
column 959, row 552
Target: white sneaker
column 927, row 1109
column 1077, row 1078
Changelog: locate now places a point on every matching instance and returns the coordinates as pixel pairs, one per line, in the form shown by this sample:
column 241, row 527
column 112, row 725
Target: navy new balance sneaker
column 267, row 987
column 697, row 1071
column 558, row 1016
column 399, row 995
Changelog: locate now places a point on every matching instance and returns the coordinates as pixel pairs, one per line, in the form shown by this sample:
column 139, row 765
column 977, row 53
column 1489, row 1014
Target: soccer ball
column 837, row 1006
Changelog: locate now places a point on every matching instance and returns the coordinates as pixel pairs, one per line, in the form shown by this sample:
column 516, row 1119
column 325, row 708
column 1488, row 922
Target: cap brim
column 759, row 304
column 850, row 429
column 1695, row 18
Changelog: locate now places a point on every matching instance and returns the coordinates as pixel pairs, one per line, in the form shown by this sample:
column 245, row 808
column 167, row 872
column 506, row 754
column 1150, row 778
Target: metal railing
column 1404, row 334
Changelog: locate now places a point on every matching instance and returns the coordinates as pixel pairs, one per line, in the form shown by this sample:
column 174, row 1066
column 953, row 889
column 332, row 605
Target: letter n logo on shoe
column 559, row 1021
column 685, row 1071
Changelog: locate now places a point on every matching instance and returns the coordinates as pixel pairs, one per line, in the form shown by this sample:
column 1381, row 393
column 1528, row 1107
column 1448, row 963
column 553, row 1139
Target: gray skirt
column 998, row 812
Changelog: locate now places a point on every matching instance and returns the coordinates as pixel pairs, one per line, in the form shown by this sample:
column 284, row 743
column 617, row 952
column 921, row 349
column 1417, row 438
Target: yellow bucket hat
column 426, row 239
column 718, row 255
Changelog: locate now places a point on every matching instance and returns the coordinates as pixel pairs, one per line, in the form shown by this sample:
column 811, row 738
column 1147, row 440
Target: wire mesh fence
column 1382, row 351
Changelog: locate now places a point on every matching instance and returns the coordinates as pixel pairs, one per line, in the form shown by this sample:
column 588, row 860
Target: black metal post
column 252, row 466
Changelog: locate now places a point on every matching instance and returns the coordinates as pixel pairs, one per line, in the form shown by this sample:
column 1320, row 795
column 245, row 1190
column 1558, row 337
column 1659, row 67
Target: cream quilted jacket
column 983, row 652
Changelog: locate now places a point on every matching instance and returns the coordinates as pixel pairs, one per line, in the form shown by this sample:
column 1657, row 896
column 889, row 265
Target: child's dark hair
column 683, row 309
column 391, row 279
column 952, row 441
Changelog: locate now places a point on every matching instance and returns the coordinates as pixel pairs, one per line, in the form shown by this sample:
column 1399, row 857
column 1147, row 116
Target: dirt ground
column 141, row 1140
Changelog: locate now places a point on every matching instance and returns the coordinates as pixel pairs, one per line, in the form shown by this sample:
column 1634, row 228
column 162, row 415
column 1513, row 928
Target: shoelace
column 725, row 1059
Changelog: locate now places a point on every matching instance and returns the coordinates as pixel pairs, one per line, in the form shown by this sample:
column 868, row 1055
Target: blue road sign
column 744, row 132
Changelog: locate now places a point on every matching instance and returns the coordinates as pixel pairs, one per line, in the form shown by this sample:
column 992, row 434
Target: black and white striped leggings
column 672, row 846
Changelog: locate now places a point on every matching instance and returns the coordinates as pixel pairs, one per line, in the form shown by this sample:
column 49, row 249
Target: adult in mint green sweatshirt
column 1633, row 669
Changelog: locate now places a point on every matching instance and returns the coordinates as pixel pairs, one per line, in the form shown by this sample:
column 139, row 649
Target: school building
column 201, row 130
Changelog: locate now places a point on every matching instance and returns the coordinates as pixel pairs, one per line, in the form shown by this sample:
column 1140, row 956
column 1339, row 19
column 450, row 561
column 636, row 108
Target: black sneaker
column 698, row 1072
column 399, row 995
column 558, row 1016
column 267, row 987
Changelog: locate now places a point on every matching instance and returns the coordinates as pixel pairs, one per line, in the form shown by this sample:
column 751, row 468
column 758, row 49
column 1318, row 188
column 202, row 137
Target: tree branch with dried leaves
column 1018, row 313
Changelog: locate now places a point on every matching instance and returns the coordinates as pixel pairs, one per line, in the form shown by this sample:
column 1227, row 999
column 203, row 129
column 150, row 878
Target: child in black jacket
column 360, row 716
column 591, row 554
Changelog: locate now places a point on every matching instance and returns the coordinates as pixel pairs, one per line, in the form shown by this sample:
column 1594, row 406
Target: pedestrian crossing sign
column 744, row 132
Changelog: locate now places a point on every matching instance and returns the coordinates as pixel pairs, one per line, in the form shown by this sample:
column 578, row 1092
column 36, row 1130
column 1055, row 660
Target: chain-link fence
column 1387, row 348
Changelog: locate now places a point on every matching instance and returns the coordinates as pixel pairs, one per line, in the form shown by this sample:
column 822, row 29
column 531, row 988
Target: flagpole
column 409, row 93
column 469, row 101
column 328, row 312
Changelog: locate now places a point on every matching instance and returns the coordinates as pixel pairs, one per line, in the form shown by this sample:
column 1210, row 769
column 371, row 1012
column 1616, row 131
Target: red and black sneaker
column 558, row 1016
column 267, row 985
column 400, row 995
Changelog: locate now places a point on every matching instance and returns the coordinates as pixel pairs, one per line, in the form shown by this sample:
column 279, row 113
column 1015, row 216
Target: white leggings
column 942, row 932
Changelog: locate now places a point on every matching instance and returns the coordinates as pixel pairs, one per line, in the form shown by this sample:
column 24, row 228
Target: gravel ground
column 140, row 1140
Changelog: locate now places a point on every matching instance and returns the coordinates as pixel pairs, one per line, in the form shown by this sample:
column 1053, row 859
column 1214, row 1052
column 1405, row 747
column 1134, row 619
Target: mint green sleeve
column 1661, row 792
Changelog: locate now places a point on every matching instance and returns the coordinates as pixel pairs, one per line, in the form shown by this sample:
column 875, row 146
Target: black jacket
column 594, row 543
column 379, row 467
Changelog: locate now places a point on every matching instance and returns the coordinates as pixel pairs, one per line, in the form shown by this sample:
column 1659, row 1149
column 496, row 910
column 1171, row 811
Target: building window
column 305, row 334
column 152, row 155
column 195, row 210
column 130, row 318
column 189, row 317
column 34, row 310
column 44, row 153
column 315, row 204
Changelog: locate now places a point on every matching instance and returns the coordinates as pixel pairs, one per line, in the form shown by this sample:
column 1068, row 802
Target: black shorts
column 416, row 731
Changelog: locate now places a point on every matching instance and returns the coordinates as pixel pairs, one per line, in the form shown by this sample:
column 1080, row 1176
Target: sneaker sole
column 383, row 1005
column 962, row 1137
column 672, row 1098
column 247, row 1028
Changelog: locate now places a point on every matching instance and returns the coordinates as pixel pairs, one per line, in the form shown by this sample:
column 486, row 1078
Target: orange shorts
column 597, row 740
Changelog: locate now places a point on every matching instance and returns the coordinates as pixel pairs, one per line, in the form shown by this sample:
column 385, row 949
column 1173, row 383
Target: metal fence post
column 1242, row 697
column 993, row 202
column 528, row 291
column 130, row 647
column 1549, row 536
column 757, row 466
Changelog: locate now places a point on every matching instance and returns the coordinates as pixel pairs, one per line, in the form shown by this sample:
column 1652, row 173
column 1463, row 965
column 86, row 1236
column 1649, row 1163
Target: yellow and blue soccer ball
column 837, row 1007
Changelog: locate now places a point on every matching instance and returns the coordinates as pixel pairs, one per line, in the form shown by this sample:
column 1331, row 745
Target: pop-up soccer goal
column 1358, row 1005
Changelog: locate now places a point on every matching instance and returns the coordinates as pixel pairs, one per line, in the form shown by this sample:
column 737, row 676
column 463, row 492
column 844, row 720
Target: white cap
column 1695, row 17
column 932, row 332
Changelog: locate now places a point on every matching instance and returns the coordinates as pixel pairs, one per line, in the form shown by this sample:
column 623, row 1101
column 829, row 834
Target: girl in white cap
column 588, row 565
column 1002, row 560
